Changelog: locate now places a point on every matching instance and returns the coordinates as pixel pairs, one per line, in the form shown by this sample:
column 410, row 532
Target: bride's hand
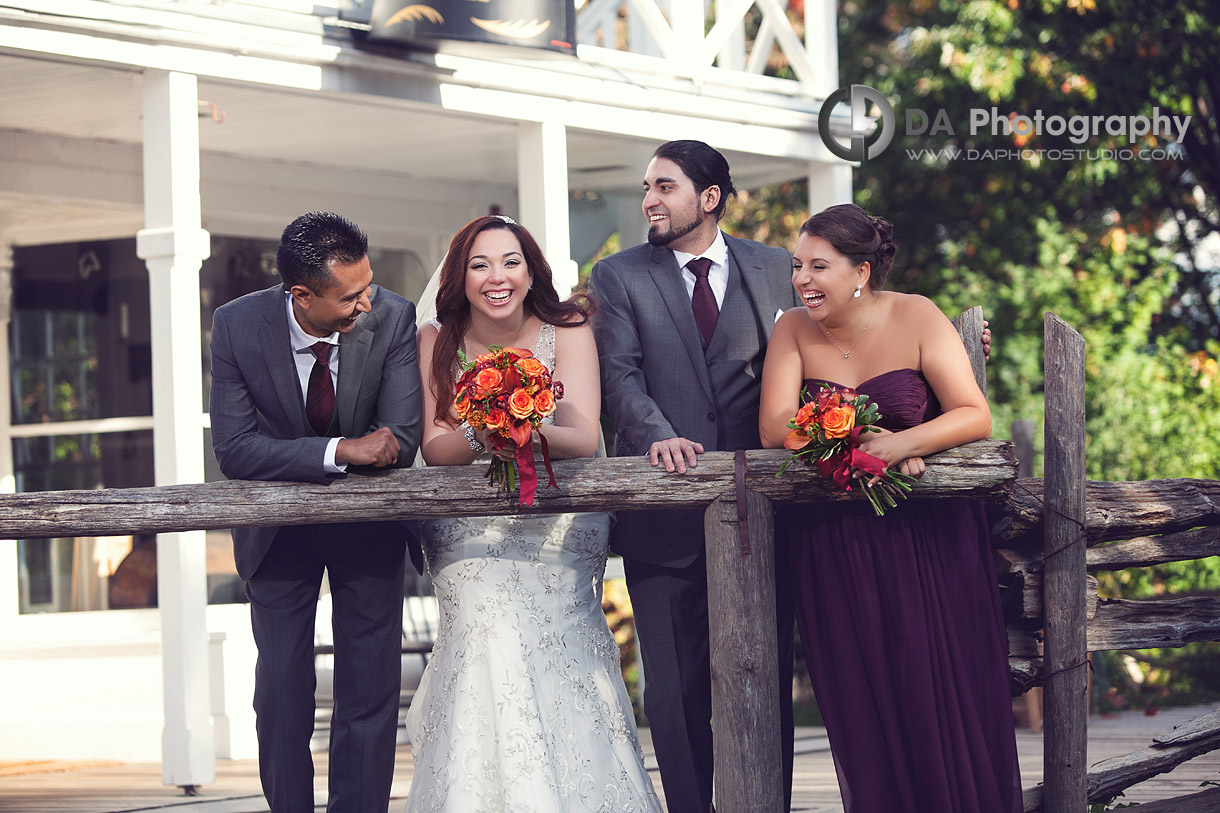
column 507, row 453
column 484, row 437
column 510, row 452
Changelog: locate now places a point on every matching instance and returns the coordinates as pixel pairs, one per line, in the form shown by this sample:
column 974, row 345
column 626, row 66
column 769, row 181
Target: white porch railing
column 698, row 36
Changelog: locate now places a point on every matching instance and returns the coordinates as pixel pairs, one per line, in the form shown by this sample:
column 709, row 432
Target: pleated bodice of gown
column 905, row 641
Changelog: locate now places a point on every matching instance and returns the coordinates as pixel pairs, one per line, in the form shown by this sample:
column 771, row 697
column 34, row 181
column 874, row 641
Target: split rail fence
column 1049, row 533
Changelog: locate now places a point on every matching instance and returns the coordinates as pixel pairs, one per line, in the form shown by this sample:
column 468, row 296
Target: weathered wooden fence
column 1051, row 535
column 745, row 678
column 1036, row 564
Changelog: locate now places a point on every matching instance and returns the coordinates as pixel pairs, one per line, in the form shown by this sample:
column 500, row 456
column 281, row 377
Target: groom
column 682, row 327
column 308, row 378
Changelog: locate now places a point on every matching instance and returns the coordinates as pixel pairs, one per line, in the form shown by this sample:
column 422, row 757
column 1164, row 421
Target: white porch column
column 829, row 184
column 542, row 195
column 9, row 594
column 173, row 245
column 687, row 19
column 822, row 43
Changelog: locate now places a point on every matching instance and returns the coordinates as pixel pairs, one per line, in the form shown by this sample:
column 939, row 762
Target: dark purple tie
column 703, row 300
column 320, row 395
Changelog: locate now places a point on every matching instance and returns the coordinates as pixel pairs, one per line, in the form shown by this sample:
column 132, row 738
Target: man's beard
column 659, row 239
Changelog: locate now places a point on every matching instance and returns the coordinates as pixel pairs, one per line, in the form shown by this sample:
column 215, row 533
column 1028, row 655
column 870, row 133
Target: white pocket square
column 778, row 314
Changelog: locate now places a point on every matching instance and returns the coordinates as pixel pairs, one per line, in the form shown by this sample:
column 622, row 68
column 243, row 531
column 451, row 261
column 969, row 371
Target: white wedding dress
column 522, row 707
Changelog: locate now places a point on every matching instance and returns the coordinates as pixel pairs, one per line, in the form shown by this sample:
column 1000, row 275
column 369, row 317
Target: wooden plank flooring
column 125, row 788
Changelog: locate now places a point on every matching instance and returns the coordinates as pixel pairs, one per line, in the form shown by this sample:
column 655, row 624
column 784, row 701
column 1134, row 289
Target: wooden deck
column 65, row 787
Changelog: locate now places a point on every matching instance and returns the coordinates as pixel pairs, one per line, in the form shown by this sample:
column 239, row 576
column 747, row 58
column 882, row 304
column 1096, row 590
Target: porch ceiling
column 83, row 101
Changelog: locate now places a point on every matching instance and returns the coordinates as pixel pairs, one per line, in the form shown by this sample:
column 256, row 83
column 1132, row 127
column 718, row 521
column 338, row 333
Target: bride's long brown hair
column 453, row 309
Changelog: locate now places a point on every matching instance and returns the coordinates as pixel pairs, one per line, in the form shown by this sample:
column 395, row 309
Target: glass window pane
column 85, row 573
column 54, row 366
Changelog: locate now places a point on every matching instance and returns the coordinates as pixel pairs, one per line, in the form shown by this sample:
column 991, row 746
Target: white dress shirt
column 305, row 359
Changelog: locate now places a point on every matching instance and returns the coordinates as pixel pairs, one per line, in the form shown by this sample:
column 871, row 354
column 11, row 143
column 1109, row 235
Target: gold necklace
column 847, row 353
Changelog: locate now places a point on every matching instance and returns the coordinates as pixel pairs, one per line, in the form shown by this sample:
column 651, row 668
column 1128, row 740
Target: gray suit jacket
column 259, row 429
column 659, row 381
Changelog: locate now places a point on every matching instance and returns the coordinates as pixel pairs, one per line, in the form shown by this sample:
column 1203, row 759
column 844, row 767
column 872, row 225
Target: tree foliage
column 1068, row 58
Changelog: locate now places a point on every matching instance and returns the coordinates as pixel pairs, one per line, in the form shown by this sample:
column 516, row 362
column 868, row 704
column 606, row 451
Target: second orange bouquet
column 826, row 433
column 509, row 391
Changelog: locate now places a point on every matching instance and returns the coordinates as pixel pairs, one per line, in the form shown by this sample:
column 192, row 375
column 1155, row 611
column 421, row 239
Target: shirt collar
column 302, row 341
column 717, row 252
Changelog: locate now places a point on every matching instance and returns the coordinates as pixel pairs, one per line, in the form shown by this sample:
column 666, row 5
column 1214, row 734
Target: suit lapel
column 764, row 301
column 354, row 350
column 277, row 350
column 667, row 276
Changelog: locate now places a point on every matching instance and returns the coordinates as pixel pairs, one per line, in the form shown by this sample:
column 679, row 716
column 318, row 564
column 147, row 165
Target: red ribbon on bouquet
column 527, row 470
column 839, row 467
column 527, row 474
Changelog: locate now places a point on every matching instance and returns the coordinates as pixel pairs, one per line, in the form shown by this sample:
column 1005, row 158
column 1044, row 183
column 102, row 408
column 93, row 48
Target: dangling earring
column 856, row 295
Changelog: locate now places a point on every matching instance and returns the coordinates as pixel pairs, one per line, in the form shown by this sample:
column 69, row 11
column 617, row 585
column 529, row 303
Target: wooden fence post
column 745, row 663
column 969, row 324
column 1063, row 573
column 1023, row 447
column 1023, row 444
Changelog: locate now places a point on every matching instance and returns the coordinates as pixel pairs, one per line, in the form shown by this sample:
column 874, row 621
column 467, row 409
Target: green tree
column 1071, row 58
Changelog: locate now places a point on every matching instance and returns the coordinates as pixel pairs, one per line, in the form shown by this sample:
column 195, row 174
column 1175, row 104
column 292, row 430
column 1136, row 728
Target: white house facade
column 151, row 152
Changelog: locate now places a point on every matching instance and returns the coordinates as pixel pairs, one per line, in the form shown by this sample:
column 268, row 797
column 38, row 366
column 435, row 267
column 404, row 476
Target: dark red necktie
column 320, row 395
column 703, row 301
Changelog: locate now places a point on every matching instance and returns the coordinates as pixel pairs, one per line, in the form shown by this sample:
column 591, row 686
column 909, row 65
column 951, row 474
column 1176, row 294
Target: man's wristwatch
column 475, row 445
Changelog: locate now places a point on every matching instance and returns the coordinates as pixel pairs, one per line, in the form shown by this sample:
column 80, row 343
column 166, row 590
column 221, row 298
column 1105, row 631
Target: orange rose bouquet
column 826, row 433
column 509, row 391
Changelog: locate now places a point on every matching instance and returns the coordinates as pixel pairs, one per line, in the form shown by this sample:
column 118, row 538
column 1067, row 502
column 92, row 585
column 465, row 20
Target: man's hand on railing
column 675, row 453
column 377, row 448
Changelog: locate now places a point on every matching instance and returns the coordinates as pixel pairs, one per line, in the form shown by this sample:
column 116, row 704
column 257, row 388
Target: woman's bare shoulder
column 574, row 335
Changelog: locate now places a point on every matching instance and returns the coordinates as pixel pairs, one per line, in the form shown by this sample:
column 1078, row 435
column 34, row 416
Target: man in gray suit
column 309, row 378
column 681, row 375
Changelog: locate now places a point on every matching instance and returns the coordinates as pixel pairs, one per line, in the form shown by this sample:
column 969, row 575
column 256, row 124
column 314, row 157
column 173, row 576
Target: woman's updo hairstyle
column 858, row 236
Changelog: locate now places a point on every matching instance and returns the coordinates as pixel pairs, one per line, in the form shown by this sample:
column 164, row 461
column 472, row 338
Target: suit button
column 709, row 362
column 711, row 416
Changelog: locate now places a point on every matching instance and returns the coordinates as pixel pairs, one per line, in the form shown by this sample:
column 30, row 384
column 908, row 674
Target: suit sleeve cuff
column 328, row 462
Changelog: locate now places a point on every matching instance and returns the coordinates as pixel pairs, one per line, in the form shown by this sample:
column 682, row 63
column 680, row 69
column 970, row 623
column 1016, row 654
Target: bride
column 522, row 707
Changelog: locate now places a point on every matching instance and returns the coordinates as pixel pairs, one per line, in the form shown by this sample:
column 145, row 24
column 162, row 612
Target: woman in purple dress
column 899, row 615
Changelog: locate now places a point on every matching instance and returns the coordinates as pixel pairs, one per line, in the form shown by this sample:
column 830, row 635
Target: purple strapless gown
column 905, row 641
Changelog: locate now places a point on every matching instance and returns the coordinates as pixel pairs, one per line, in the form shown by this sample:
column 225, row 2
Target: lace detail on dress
column 544, row 348
column 522, row 707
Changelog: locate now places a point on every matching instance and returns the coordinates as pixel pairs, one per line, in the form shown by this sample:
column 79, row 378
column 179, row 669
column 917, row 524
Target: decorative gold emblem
column 408, row 14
